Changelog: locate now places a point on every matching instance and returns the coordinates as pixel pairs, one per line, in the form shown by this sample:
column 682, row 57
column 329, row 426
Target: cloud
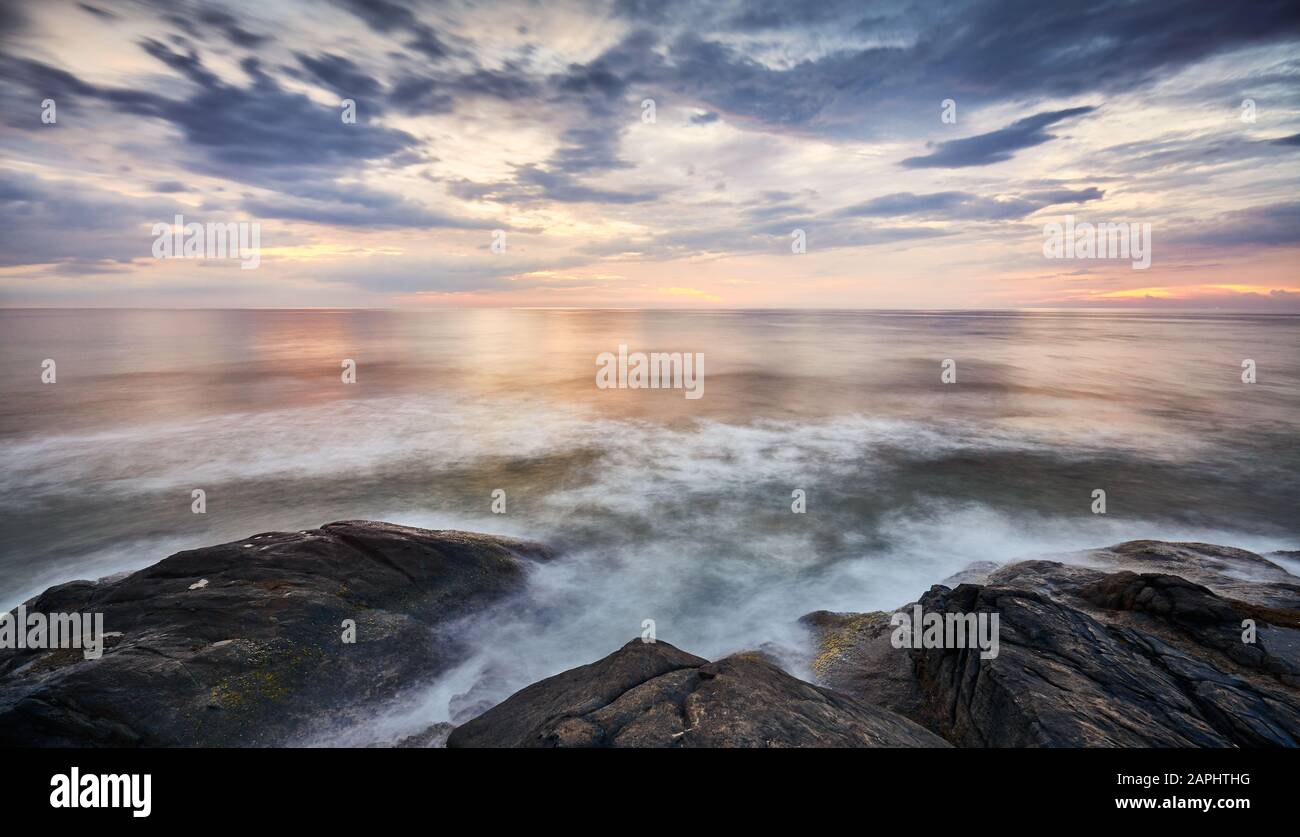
column 102, row 14
column 355, row 206
column 69, row 224
column 388, row 17
column 1274, row 225
column 995, row 146
column 265, row 136
column 854, row 64
column 230, row 27
column 966, row 206
column 532, row 184
column 1193, row 152
column 500, row 273
column 771, row 116
column 246, row 133
column 340, row 75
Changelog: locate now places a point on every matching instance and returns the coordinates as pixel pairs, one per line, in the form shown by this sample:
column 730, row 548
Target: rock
column 1233, row 573
column 479, row 698
column 854, row 656
column 432, row 737
column 977, row 572
column 1139, row 644
column 655, row 695
column 1094, row 658
column 255, row 656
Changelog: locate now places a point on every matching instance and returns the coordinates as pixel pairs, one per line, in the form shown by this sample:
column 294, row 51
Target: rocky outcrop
column 1229, row 572
column 1140, row 644
column 242, row 644
column 1153, row 653
column 655, row 695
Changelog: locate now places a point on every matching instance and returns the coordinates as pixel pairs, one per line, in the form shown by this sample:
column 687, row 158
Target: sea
column 836, row 460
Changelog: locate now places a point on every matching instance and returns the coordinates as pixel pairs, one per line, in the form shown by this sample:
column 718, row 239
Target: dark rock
column 655, row 695
column 1232, row 573
column 1094, row 658
column 433, row 737
column 255, row 655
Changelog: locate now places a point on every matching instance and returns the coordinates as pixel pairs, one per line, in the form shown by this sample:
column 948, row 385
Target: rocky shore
column 1138, row 645
column 1144, row 648
column 241, row 644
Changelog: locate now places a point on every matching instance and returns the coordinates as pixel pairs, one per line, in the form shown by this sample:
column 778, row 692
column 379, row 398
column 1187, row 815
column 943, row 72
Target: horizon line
column 1080, row 309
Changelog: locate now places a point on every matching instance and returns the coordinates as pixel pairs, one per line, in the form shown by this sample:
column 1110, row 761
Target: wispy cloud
column 766, row 122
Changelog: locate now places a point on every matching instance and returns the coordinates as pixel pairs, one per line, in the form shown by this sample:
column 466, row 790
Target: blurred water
column 666, row 508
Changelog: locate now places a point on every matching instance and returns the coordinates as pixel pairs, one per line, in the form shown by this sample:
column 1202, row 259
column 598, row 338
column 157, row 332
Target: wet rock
column 655, row 695
column 1229, row 572
column 433, row 737
column 1089, row 657
column 256, row 655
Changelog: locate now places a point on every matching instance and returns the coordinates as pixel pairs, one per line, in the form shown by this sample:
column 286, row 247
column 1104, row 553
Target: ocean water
column 664, row 507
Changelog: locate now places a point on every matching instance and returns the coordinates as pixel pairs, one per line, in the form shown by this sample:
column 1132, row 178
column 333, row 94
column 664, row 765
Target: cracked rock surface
column 1091, row 657
column 655, row 695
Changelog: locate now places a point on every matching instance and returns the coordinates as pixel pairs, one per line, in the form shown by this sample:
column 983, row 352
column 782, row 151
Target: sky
column 640, row 154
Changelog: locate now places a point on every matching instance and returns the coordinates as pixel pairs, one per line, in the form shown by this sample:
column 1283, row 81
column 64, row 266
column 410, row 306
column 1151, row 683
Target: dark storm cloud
column 995, row 146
